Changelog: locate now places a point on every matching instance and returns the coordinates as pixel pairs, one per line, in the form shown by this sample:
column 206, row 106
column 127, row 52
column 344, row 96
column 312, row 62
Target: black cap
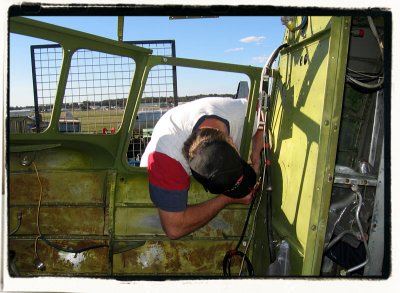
column 221, row 170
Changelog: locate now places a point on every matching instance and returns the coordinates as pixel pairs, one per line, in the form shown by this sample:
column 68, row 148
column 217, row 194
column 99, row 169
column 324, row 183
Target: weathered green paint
column 92, row 196
column 60, row 220
column 173, row 257
column 59, row 263
column 305, row 118
column 58, row 187
column 90, row 192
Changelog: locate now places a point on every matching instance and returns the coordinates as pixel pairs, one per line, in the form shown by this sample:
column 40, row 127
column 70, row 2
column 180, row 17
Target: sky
column 238, row 40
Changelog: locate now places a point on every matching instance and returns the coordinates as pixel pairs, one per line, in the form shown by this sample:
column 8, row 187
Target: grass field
column 91, row 121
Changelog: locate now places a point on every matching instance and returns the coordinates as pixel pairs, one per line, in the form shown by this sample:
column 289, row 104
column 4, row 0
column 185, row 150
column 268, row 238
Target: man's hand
column 246, row 199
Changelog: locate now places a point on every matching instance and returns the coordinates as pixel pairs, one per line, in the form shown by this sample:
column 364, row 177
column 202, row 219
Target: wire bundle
column 364, row 80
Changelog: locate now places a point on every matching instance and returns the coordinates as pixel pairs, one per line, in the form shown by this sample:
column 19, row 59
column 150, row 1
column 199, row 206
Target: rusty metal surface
column 173, row 257
column 60, row 263
column 60, row 220
column 145, row 221
column 132, row 188
column 58, row 187
column 59, row 158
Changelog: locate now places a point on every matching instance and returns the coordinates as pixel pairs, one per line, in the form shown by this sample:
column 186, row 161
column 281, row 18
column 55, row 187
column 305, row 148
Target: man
column 200, row 138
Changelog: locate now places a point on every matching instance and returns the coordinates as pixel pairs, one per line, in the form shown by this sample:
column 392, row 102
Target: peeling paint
column 153, row 255
column 75, row 259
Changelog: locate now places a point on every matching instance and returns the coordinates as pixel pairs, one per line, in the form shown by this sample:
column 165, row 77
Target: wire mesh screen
column 46, row 65
column 159, row 95
column 96, row 92
column 97, row 88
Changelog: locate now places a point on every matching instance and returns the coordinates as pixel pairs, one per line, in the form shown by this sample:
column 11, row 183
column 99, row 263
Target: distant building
column 21, row 124
column 23, row 121
column 69, row 125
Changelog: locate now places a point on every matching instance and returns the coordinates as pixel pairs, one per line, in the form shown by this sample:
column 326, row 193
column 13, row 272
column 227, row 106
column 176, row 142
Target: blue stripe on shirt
column 168, row 200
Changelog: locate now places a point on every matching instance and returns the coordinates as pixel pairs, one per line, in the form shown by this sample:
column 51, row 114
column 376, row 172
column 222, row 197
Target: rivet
column 313, row 227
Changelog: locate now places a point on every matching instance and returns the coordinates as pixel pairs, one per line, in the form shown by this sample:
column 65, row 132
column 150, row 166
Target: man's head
column 216, row 164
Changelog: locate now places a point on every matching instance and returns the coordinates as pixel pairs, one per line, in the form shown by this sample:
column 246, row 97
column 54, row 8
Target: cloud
column 253, row 39
column 260, row 59
column 234, row 50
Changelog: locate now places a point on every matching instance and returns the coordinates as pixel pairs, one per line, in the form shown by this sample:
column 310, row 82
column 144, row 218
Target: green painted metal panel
column 305, row 116
column 141, row 221
column 59, row 263
column 60, row 220
column 74, row 187
column 92, row 196
column 90, row 193
column 154, row 258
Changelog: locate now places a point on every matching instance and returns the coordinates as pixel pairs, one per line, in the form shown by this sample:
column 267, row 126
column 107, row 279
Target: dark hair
column 200, row 138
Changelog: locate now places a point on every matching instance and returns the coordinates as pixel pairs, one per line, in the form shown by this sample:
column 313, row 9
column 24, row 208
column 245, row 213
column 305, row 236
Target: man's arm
column 256, row 147
column 178, row 224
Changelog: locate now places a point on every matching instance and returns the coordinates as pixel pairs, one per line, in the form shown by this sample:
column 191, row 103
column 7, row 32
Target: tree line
column 120, row 103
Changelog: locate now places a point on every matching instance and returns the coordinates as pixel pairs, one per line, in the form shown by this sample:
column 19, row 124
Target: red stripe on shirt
column 166, row 172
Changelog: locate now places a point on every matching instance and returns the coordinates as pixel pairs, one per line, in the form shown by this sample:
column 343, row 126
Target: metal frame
column 125, row 187
column 72, row 40
column 34, row 48
column 302, row 221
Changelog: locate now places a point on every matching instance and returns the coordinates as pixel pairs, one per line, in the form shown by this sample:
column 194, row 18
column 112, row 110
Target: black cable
column 19, row 218
column 245, row 225
column 58, row 247
column 303, row 22
column 226, row 264
column 267, row 166
column 229, row 254
column 267, row 70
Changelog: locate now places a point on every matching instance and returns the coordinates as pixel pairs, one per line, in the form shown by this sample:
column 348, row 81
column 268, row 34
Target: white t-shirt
column 169, row 171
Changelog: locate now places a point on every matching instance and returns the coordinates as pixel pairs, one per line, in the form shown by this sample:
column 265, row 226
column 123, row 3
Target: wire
column 226, row 263
column 252, row 231
column 231, row 253
column 80, row 250
column 375, row 33
column 365, row 85
column 360, row 228
column 266, row 166
column 266, row 71
column 38, row 208
column 340, row 236
column 42, row 237
column 362, row 83
column 301, row 25
column 364, row 74
column 19, row 217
